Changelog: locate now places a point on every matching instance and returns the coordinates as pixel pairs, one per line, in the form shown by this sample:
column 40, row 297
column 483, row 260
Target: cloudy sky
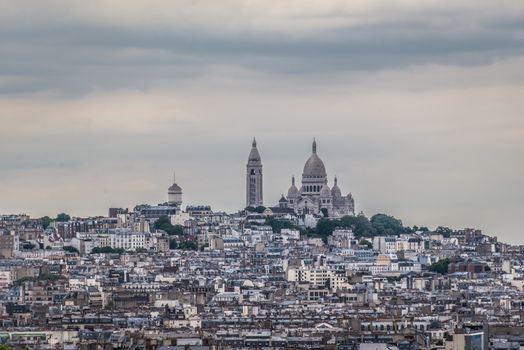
column 417, row 105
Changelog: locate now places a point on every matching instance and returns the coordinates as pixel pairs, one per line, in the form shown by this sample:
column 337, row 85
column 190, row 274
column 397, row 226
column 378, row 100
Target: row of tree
column 377, row 225
column 107, row 250
column 62, row 217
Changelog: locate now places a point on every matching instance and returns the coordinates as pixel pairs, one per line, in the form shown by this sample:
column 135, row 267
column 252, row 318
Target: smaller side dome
column 335, row 191
column 293, row 190
column 325, row 191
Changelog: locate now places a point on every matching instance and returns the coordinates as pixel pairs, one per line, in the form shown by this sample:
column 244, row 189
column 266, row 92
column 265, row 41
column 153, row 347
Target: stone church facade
column 314, row 195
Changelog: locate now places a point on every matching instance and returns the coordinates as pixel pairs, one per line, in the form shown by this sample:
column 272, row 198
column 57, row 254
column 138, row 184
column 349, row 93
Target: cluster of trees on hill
column 164, row 223
column 377, row 225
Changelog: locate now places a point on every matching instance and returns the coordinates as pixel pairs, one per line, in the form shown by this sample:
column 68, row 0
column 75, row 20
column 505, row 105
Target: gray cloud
column 77, row 53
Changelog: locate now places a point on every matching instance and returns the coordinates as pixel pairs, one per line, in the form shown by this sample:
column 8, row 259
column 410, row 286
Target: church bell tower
column 254, row 178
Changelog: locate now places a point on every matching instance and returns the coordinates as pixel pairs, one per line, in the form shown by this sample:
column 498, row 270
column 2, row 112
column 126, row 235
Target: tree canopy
column 184, row 245
column 260, row 209
column 440, row 266
column 71, row 249
column 387, row 225
column 164, row 223
column 367, row 243
column 63, row 217
column 107, row 250
column 46, row 221
column 444, row 231
column 379, row 224
column 27, row 246
column 278, row 225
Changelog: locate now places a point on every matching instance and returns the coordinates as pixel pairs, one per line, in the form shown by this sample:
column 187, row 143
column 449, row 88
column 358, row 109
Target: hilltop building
column 315, row 195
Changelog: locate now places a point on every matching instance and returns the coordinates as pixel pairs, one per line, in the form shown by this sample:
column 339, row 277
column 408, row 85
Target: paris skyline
column 416, row 120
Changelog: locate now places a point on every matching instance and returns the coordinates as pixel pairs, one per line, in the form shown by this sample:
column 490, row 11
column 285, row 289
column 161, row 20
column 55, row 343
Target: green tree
column 367, row 243
column 184, row 245
column 278, row 225
column 28, row 246
column 5, row 347
column 107, row 250
column 46, row 221
column 188, row 245
column 71, row 249
column 325, row 212
column 164, row 223
column 444, row 231
column 325, row 227
column 387, row 225
column 50, row 277
column 260, row 209
column 360, row 224
column 63, row 217
column 440, row 266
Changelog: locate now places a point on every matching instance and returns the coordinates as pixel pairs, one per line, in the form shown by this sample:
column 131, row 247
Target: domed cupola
column 293, row 190
column 335, row 191
column 314, row 167
column 325, row 192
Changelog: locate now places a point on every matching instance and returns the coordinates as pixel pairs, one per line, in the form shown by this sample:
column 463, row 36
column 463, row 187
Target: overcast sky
column 417, row 105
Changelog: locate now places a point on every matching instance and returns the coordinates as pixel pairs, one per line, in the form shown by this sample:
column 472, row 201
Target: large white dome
column 314, row 167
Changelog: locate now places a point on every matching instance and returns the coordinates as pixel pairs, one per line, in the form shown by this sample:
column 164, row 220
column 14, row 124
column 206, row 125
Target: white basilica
column 315, row 194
